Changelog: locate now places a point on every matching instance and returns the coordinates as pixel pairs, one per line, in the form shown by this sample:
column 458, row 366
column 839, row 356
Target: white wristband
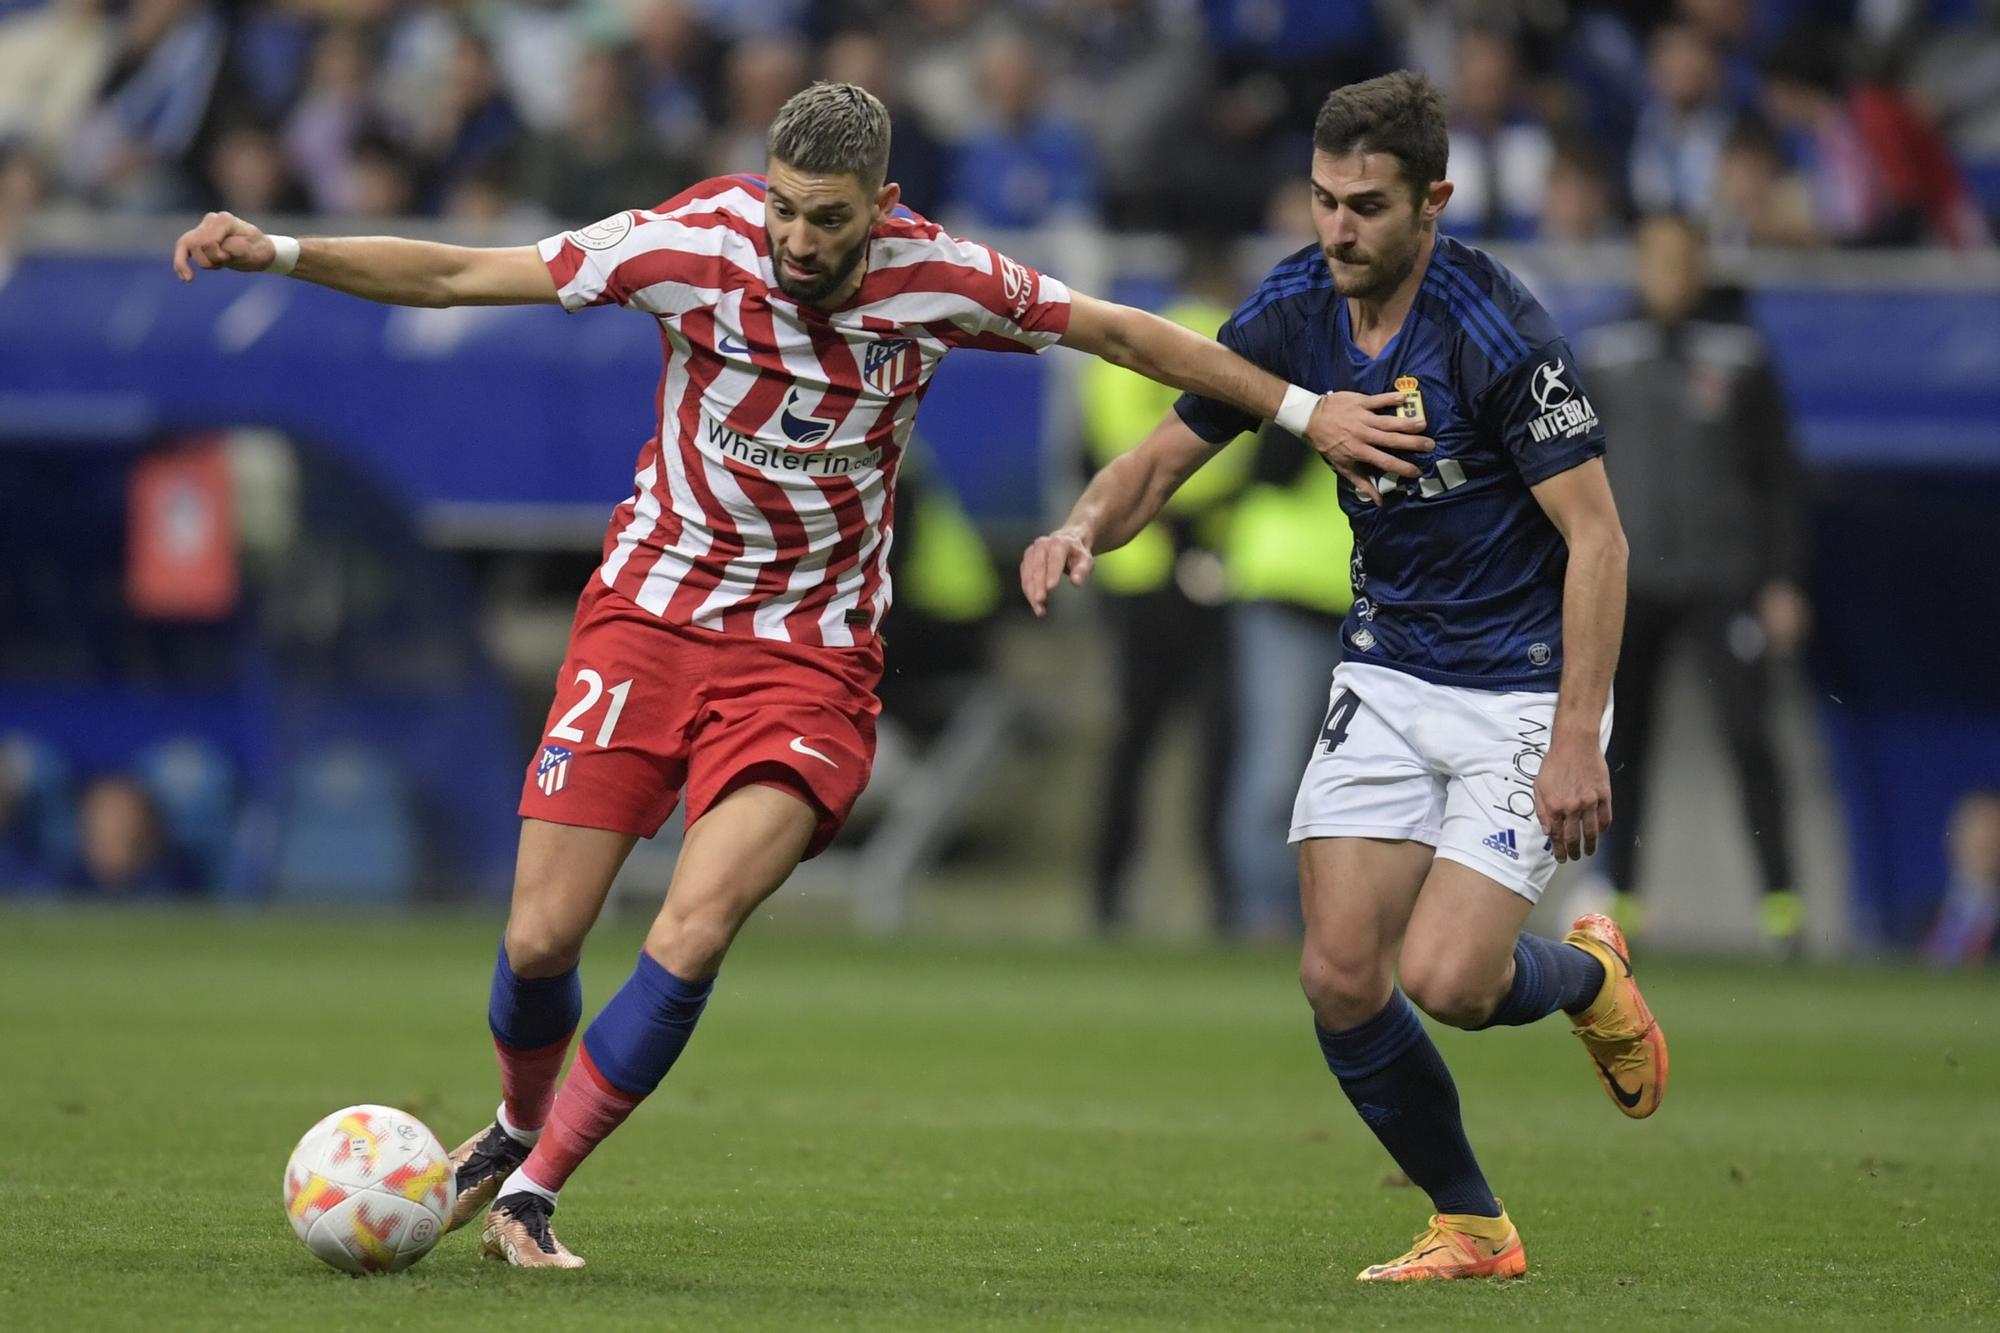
column 1296, row 410
column 287, row 257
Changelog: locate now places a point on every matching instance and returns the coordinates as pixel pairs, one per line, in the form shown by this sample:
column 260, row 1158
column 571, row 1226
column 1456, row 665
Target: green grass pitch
column 947, row 1134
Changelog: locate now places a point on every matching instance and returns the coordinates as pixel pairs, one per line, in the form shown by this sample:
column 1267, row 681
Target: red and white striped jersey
column 762, row 506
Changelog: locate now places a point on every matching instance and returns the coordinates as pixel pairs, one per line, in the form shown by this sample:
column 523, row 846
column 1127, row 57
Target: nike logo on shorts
column 799, row 745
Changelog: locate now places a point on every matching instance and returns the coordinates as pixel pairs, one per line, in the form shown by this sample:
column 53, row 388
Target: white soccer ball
column 369, row 1189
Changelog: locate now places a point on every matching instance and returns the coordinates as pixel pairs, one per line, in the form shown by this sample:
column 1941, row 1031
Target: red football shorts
column 646, row 710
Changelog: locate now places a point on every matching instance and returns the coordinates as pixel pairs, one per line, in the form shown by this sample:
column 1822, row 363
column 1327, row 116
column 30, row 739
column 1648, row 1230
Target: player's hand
column 1573, row 796
column 1063, row 553
column 223, row 240
column 1354, row 433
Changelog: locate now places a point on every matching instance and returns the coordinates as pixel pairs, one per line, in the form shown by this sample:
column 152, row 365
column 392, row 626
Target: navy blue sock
column 635, row 1039
column 1392, row 1072
column 1547, row 976
column 527, row 1013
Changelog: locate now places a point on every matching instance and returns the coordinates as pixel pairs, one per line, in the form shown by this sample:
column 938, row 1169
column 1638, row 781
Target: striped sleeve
column 1003, row 305
column 650, row 259
column 593, row 265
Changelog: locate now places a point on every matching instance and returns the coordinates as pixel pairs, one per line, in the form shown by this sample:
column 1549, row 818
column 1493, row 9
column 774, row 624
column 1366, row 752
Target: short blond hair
column 833, row 129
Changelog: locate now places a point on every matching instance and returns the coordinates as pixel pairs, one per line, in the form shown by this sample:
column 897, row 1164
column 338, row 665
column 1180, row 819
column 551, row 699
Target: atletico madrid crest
column 552, row 770
column 886, row 363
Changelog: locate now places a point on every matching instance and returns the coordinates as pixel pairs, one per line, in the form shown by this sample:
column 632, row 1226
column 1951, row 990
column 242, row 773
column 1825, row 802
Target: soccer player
column 726, row 650
column 1462, row 755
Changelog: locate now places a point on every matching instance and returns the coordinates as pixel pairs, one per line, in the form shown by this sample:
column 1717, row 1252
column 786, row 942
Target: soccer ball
column 369, row 1189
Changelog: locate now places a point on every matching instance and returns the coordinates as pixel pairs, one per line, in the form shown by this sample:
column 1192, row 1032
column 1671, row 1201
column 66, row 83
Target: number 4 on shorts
column 593, row 686
column 1337, row 717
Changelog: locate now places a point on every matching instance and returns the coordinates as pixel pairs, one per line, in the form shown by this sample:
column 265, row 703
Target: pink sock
column 587, row 1110
column 528, row 1080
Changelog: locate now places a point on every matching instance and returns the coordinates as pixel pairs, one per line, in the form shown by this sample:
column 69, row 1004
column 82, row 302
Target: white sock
column 525, row 1137
column 518, row 1183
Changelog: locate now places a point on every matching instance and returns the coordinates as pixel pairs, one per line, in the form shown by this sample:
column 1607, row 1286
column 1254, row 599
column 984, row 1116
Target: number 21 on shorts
column 593, row 690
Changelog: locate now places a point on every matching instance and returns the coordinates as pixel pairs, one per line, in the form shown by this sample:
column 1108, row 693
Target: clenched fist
column 223, row 240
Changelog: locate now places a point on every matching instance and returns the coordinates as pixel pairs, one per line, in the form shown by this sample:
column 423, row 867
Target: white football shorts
column 1399, row 757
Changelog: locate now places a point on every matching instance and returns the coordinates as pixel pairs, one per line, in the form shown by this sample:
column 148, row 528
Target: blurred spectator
column 1728, row 27
column 1150, row 84
column 917, row 161
column 131, row 151
column 1165, row 604
column 1577, row 202
column 248, row 175
column 1929, row 199
column 1499, row 156
column 1879, row 173
column 602, row 160
column 536, row 45
column 1712, row 497
column 753, row 19
column 1288, row 215
column 484, row 199
column 1682, row 124
column 270, row 49
column 470, row 119
column 1759, row 200
column 1030, row 165
column 763, row 72
column 382, row 177
column 1967, row 920
column 52, row 62
column 676, row 60
column 937, row 48
column 122, row 847
column 1953, row 72
column 22, row 187
column 329, row 114
column 26, row 856
column 1288, row 558
column 1281, row 57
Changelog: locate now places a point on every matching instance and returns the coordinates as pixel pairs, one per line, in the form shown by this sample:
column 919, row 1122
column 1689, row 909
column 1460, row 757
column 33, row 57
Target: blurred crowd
column 1783, row 122
column 158, row 829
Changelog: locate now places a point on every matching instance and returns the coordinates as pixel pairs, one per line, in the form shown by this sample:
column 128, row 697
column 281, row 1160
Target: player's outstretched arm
column 1349, row 430
column 1573, row 789
column 389, row 269
column 1125, row 495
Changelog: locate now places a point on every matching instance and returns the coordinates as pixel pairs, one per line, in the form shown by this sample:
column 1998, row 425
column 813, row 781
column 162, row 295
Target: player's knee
column 1449, row 992
column 537, row 947
column 1345, row 988
column 692, row 944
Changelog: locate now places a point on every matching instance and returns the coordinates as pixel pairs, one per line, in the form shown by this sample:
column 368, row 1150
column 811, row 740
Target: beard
column 1369, row 277
column 826, row 280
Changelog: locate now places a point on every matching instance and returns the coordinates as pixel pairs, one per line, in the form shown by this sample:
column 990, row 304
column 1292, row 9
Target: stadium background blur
column 286, row 576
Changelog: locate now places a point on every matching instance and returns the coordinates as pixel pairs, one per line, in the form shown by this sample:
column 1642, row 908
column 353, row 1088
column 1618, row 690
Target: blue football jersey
column 1458, row 575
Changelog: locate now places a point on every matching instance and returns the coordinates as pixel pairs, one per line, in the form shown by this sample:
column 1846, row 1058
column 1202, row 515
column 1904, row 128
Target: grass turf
column 929, row 1135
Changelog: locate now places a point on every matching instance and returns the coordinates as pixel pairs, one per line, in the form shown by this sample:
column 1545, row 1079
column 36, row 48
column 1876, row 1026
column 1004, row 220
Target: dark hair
column 833, row 129
column 1401, row 114
column 1753, row 132
column 1808, row 55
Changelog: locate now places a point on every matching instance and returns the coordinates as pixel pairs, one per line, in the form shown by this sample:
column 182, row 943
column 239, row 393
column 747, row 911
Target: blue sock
column 1392, row 1072
column 1547, row 976
column 528, row 1013
column 635, row 1039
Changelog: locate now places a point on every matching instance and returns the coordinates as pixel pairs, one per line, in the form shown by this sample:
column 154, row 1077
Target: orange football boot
column 1456, row 1245
column 1625, row 1043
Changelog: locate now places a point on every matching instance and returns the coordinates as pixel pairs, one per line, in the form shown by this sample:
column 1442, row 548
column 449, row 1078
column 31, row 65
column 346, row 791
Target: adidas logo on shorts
column 1503, row 843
